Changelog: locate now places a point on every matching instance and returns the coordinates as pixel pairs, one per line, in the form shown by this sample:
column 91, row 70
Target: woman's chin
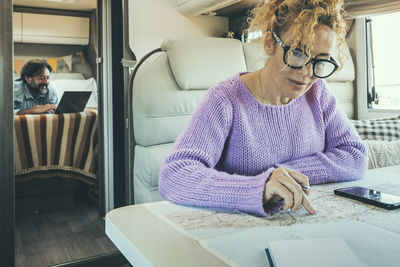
column 294, row 94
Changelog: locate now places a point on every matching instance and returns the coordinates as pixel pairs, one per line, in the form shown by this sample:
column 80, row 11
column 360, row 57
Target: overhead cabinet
column 50, row 29
column 17, row 28
column 197, row 7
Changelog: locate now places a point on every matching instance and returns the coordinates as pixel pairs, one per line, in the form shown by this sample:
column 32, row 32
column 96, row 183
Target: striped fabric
column 56, row 145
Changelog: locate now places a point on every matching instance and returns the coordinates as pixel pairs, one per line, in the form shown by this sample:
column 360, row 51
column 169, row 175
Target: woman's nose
column 307, row 70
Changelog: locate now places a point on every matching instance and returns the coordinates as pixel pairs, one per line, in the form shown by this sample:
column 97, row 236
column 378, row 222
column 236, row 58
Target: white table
column 165, row 234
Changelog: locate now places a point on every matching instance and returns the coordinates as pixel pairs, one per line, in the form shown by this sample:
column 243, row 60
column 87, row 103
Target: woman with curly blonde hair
column 258, row 140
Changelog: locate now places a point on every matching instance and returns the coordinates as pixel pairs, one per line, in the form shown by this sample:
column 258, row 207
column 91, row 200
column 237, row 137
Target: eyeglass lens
column 297, row 59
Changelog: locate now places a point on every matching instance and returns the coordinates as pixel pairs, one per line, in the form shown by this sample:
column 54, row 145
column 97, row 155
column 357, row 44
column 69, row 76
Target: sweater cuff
column 273, row 207
column 270, row 208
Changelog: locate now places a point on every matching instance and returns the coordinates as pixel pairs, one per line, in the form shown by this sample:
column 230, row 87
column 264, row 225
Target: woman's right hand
column 288, row 185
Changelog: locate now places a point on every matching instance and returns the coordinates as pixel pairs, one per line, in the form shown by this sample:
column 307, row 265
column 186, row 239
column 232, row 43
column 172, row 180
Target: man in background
column 32, row 93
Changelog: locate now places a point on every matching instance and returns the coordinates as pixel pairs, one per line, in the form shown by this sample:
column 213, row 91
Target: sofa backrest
column 169, row 84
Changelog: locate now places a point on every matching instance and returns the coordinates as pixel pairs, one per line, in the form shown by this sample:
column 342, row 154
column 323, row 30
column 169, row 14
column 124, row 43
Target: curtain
column 359, row 8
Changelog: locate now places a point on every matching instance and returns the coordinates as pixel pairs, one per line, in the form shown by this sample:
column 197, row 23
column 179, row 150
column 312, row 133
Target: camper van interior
column 57, row 200
column 84, row 189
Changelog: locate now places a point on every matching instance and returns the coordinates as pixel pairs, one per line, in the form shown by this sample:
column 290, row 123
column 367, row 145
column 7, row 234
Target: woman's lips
column 297, row 84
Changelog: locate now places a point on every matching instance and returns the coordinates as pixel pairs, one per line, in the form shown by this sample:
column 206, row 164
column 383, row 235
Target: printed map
column 329, row 207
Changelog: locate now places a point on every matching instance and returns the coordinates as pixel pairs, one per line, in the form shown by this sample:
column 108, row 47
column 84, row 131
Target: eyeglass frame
column 286, row 48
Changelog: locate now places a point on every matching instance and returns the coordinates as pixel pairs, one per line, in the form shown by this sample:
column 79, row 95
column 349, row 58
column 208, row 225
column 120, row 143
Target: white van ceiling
column 86, row 5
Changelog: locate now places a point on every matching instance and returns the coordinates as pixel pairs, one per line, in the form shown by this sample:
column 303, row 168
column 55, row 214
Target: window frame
column 372, row 93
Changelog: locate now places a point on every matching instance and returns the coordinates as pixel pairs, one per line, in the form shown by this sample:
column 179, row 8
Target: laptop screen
column 73, row 101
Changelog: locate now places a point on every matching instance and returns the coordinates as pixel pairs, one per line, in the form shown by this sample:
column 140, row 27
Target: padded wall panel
column 148, row 160
column 161, row 104
column 344, row 93
column 160, row 130
column 347, row 72
column 255, row 56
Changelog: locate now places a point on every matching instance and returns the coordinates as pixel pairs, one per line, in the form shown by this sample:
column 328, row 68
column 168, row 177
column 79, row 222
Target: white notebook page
column 313, row 252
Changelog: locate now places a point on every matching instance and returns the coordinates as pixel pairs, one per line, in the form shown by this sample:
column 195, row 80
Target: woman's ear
column 269, row 43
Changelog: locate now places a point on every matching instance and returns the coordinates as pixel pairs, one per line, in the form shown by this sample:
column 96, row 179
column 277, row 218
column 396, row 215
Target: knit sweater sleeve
column 188, row 176
column 344, row 157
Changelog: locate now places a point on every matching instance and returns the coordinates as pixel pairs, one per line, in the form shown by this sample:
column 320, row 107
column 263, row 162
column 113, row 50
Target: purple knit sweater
column 226, row 153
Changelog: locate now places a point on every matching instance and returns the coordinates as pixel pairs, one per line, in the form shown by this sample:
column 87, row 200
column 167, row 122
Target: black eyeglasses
column 296, row 59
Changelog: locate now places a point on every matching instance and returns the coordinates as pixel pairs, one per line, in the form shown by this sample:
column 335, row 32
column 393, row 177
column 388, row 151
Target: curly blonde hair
column 303, row 16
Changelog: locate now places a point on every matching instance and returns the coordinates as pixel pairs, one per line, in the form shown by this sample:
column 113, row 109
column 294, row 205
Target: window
column 249, row 36
column 383, row 61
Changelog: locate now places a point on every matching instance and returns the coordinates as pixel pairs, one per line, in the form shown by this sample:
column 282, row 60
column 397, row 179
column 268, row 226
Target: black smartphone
column 370, row 196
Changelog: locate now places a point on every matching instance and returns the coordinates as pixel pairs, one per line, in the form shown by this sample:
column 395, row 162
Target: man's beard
column 37, row 88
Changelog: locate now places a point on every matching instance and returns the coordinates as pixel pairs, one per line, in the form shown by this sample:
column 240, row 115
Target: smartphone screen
column 370, row 196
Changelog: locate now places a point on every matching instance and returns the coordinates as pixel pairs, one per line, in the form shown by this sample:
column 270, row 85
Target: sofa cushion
column 198, row 63
column 160, row 109
column 382, row 153
column 147, row 164
column 379, row 129
column 60, row 86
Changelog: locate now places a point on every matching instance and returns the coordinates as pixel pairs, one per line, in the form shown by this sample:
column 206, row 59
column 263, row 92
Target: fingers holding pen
column 296, row 192
column 275, row 188
column 301, row 179
column 293, row 187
